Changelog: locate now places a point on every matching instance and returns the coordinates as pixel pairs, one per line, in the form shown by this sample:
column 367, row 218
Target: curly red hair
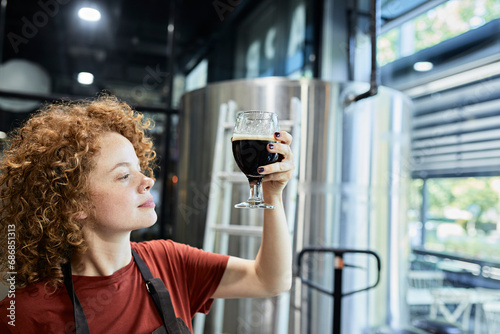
column 44, row 182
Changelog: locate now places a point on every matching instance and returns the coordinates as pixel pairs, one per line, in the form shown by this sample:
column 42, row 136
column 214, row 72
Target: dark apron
column 155, row 287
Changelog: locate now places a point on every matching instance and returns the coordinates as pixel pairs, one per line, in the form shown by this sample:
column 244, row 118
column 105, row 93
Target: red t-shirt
column 120, row 303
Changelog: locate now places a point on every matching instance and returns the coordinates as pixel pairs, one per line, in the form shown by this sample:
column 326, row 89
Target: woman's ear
column 81, row 215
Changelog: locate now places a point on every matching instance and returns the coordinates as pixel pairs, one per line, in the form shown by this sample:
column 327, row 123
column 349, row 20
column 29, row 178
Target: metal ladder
column 225, row 176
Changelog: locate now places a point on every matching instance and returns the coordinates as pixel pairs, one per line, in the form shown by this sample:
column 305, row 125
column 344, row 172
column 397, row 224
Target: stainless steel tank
column 352, row 191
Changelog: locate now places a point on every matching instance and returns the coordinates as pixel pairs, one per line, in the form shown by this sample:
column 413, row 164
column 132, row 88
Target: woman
column 75, row 180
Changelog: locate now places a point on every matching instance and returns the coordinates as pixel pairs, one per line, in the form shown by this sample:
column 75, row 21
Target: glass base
column 253, row 205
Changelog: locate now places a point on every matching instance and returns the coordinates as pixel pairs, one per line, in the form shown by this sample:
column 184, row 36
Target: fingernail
column 277, row 134
column 271, row 146
column 260, row 169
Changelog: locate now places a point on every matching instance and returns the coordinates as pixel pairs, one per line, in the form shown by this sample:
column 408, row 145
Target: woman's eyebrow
column 121, row 164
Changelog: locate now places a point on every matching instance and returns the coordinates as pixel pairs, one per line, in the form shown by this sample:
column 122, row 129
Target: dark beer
column 250, row 152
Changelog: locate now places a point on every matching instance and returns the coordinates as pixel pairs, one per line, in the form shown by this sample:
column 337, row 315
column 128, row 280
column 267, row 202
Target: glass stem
column 255, row 190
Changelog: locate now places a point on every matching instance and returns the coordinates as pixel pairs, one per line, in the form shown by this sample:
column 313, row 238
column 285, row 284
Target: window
column 461, row 216
column 197, row 78
column 443, row 22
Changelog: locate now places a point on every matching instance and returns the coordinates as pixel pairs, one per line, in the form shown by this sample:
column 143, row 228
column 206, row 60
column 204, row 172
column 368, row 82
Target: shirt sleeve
column 204, row 273
column 192, row 271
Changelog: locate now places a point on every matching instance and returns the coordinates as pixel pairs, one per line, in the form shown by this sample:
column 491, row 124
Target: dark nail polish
column 260, row 169
column 271, row 146
column 277, row 134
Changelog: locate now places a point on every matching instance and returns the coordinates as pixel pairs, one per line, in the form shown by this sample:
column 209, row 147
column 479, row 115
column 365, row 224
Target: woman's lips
column 148, row 204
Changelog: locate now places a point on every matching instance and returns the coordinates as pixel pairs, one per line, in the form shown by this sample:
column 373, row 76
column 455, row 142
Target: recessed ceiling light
column 466, row 76
column 85, row 78
column 89, row 14
column 423, row 66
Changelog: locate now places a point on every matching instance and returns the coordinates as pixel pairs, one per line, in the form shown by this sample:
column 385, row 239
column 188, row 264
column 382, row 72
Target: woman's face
column 120, row 192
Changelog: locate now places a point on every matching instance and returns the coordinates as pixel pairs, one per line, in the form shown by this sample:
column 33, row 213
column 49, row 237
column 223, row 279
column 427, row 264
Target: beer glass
column 253, row 131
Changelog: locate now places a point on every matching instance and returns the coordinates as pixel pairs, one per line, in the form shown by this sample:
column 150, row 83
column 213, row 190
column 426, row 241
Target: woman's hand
column 279, row 173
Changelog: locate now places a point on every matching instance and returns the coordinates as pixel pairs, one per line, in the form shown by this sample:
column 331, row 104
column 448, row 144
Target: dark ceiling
column 127, row 50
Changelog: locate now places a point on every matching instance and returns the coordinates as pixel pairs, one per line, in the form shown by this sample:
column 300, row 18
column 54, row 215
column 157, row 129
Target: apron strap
column 160, row 295
column 155, row 287
column 81, row 325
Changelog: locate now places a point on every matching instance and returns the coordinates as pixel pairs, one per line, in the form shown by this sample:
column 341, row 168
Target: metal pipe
column 319, row 8
column 373, row 36
column 351, row 42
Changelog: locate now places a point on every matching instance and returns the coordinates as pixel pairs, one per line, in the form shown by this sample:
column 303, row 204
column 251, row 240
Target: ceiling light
column 89, row 14
column 465, row 77
column 423, row 66
column 85, row 78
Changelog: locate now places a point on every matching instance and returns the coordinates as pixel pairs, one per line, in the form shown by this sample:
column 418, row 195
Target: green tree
column 443, row 22
column 471, row 194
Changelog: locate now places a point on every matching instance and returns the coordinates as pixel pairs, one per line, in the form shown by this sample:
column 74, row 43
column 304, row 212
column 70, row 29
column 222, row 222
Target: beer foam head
column 253, row 137
column 256, row 122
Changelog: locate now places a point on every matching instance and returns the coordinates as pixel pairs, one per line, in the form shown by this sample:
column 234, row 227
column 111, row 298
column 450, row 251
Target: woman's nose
column 146, row 185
